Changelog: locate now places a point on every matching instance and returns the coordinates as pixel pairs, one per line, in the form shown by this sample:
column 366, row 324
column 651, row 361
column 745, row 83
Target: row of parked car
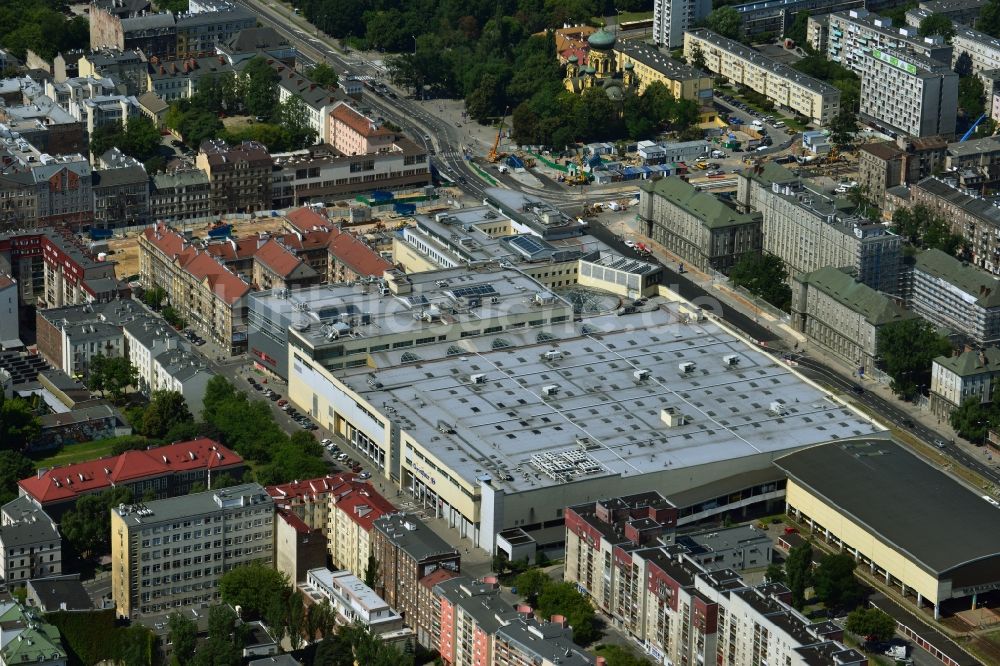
column 285, row 406
column 344, row 459
column 194, row 338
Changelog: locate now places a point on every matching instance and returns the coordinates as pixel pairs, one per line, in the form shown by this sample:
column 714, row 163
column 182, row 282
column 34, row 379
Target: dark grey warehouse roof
column 901, row 500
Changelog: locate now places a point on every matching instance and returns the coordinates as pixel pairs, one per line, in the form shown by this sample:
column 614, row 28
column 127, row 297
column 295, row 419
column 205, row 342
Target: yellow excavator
column 494, row 155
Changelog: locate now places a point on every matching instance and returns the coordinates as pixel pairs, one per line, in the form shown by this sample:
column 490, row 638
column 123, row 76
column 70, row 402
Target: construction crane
column 972, row 128
column 494, row 155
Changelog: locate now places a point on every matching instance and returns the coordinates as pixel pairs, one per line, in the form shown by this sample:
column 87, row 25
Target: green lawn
column 626, row 17
column 79, row 452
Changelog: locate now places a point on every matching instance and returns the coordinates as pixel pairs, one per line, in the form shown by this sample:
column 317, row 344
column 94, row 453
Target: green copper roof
column 972, row 362
column 874, row 306
column 602, row 39
column 711, row 211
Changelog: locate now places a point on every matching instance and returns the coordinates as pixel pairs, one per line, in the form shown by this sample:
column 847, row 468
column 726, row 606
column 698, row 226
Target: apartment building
column 678, row 609
column 165, row 362
column 788, row 88
column 855, row 30
column 46, row 126
column 672, row 18
column 127, row 68
column 982, row 50
column 973, row 374
column 29, row 639
column 353, row 133
column 298, row 548
column 650, row 64
column 776, row 16
column 908, row 94
column 697, row 226
column 167, row 471
column 18, row 200
column 907, row 160
column 322, row 173
column 172, row 79
column 277, row 267
column 974, row 164
column 69, row 336
column 357, row 604
column 975, row 218
column 956, row 296
column 173, row 552
column 959, row 11
column 121, row 192
column 409, row 552
column 9, row 310
column 206, row 293
column 318, row 101
column 809, row 229
column 64, row 193
column 180, row 195
column 30, row 545
column 842, row 315
column 343, row 507
column 240, row 176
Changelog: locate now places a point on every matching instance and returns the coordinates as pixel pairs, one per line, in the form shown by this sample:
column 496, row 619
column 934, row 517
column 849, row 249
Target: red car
column 282, row 402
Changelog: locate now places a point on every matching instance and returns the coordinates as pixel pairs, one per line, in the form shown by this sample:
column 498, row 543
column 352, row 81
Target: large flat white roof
column 601, row 418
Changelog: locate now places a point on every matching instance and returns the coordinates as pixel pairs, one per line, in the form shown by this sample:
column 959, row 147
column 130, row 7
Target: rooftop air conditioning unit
column 641, row 375
column 776, row 407
column 552, row 355
column 550, row 390
column 479, row 378
column 686, row 367
column 731, row 359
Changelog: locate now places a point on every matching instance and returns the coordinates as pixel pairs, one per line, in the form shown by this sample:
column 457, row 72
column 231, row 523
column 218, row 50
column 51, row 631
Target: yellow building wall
column 857, row 537
column 436, row 474
column 120, row 566
column 679, row 88
column 409, row 259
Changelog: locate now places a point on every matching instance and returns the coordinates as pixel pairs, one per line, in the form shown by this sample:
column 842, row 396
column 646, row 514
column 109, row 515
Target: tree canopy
column 111, row 374
column 183, row 636
column 139, row 138
column 924, row 228
column 323, row 74
column 873, row 622
column 798, row 573
column 42, row 26
column 763, row 275
column 834, row 581
column 14, row 466
column 87, row 526
column 906, row 350
column 260, row 591
column 936, row 24
column 19, row 426
column 724, row 20
column 559, row 598
column 166, row 411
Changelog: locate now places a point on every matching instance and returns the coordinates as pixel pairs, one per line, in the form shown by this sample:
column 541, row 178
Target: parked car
column 251, row 380
column 326, row 442
column 274, row 397
column 365, row 475
column 282, row 402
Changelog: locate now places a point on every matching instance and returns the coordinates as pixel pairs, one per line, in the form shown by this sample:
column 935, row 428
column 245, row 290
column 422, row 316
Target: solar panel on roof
column 528, row 244
column 475, row 290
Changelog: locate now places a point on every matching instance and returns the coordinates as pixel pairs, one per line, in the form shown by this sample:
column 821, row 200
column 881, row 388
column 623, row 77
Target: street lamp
column 414, row 45
column 618, row 23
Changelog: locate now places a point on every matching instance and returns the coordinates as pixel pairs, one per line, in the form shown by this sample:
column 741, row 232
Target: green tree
column 923, row 227
column 134, row 646
column 154, row 297
column 763, row 275
column 564, row 599
column 14, row 466
column 936, row 24
column 697, row 58
column 225, row 640
column 219, row 392
column 19, row 426
column 724, row 20
column 175, row 6
column 971, row 97
column 844, row 127
column 616, row 655
column 323, row 74
column 296, row 619
column 259, row 89
column 989, row 19
column 373, row 578
column 255, row 588
column 532, row 583
column 166, row 409
column 87, row 526
column 798, row 30
column 834, row 581
column 972, row 420
column 798, row 573
column 775, row 573
column 872, row 622
column 292, row 116
column 906, row 350
column 139, row 138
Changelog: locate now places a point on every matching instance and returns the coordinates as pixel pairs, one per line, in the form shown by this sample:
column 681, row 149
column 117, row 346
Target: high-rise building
column 671, row 18
column 908, row 94
column 173, row 552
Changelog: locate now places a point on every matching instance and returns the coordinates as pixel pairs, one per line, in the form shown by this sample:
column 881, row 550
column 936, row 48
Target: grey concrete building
column 843, row 316
column 907, row 93
column 172, row 552
column 955, row 379
column 974, row 164
column 182, row 194
column 855, row 30
column 957, row 296
column 887, row 164
column 982, row 50
column 697, row 226
column 121, row 191
column 809, row 230
column 671, row 18
column 30, row 545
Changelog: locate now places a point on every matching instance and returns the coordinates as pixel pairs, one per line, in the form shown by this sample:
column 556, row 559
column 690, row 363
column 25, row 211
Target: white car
column 342, row 457
column 326, row 442
column 630, row 244
column 365, row 475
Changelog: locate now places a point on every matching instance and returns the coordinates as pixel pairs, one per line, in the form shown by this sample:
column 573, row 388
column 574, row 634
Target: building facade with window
column 171, row 553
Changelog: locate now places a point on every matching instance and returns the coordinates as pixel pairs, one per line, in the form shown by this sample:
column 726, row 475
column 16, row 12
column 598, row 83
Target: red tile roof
column 278, row 258
column 294, row 521
column 355, row 120
column 233, row 250
column 5, row 281
column 306, row 218
column 362, row 504
column 357, row 256
column 202, row 265
column 64, row 483
column 286, row 493
column 437, row 576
